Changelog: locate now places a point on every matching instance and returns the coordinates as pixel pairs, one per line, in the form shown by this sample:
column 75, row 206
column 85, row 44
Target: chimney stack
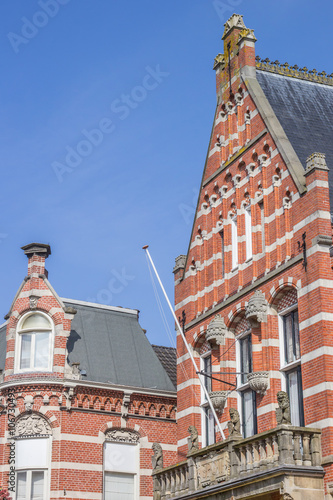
column 37, row 253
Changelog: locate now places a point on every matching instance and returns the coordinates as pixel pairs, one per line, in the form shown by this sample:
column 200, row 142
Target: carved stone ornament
column 316, row 160
column 256, row 310
column 33, row 300
column 283, row 411
column 213, row 468
column 247, row 34
column 193, row 440
column 32, row 424
column 258, row 381
column 219, row 399
column 122, row 436
column 216, row 330
column 157, row 458
column 234, row 423
column 235, row 21
column 73, row 372
column 219, row 60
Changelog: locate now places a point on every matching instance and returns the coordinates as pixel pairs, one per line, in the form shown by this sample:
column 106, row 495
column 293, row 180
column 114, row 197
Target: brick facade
column 252, row 174
column 79, row 415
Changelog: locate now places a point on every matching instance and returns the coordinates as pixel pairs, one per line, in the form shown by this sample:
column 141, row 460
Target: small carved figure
column 157, row 458
column 283, row 411
column 193, row 440
column 234, row 422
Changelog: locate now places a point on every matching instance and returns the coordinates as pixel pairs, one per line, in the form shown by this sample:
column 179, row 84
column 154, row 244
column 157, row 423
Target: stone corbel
column 256, row 309
column 216, row 331
column 219, row 399
column 125, row 405
column 69, row 391
column 258, row 381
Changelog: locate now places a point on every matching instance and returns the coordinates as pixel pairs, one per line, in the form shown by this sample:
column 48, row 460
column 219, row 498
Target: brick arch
column 199, row 340
column 281, row 288
column 236, row 315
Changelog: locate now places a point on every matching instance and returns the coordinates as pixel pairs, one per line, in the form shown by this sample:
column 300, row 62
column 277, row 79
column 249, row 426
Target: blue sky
column 136, row 80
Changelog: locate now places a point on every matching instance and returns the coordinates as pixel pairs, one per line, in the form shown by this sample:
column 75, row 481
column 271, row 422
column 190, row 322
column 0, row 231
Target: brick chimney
column 37, row 253
column 238, row 58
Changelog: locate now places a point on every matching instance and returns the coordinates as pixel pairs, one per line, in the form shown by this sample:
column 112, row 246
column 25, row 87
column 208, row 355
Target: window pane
column 288, row 333
column 234, row 241
column 36, row 321
column 208, row 369
column 248, row 414
column 296, row 401
column 248, row 233
column 296, row 334
column 21, row 486
column 246, row 357
column 209, row 426
column 37, row 485
column 222, row 247
column 42, row 350
column 119, row 486
column 25, row 351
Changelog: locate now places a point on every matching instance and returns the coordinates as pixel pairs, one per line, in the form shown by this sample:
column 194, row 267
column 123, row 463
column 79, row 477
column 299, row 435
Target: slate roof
column 305, row 111
column 168, row 358
column 111, row 347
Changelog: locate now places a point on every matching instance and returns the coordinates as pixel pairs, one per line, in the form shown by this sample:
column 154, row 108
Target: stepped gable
column 303, row 104
column 112, row 347
column 168, row 358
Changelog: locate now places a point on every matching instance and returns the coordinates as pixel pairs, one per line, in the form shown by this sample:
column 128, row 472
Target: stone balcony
column 284, row 462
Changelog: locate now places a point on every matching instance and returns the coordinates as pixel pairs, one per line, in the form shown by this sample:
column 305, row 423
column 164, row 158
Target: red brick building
column 83, row 396
column 256, row 288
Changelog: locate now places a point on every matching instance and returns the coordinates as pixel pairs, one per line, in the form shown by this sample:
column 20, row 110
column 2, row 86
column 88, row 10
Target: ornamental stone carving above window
column 256, row 310
column 32, row 424
column 216, row 330
column 122, row 436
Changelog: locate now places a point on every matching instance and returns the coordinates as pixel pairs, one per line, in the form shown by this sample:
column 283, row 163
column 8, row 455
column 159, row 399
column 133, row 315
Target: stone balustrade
column 235, row 458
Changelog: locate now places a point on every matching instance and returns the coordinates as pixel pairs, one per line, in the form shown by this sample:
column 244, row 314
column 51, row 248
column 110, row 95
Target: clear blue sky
column 140, row 71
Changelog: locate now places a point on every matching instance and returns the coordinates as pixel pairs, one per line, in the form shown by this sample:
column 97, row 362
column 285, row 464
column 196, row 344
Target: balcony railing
column 235, row 458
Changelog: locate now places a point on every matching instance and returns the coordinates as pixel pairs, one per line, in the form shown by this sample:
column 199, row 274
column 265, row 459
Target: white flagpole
column 186, row 344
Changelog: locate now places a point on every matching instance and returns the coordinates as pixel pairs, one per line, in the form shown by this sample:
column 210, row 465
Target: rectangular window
column 121, row 465
column 31, row 460
column 291, row 337
column 248, row 233
column 209, row 426
column 118, row 486
column 245, row 357
column 295, row 393
column 249, row 413
column 262, row 223
column 222, row 248
column 35, row 350
column 207, row 368
column 234, row 242
column 208, row 423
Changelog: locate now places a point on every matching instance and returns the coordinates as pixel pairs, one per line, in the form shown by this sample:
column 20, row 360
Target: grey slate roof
column 305, row 111
column 168, row 358
column 112, row 347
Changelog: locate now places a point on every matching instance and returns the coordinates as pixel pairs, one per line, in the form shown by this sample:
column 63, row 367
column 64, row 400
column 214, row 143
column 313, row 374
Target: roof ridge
column 101, row 306
column 294, row 71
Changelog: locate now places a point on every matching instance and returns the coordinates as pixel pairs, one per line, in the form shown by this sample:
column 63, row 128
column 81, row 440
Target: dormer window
column 34, row 343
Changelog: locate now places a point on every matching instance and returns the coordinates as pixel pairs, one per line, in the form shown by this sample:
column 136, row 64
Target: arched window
column 34, row 343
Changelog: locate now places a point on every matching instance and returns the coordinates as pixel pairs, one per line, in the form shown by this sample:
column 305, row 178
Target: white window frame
column 29, row 470
column 205, row 407
column 135, row 474
column 18, row 343
column 287, row 368
column 248, row 232
column 234, row 242
column 242, row 386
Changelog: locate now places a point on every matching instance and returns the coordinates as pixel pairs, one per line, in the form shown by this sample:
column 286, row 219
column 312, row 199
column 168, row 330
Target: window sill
column 291, row 366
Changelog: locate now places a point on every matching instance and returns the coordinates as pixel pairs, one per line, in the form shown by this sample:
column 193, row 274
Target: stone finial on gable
column 179, row 263
column 235, row 21
column 316, row 161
